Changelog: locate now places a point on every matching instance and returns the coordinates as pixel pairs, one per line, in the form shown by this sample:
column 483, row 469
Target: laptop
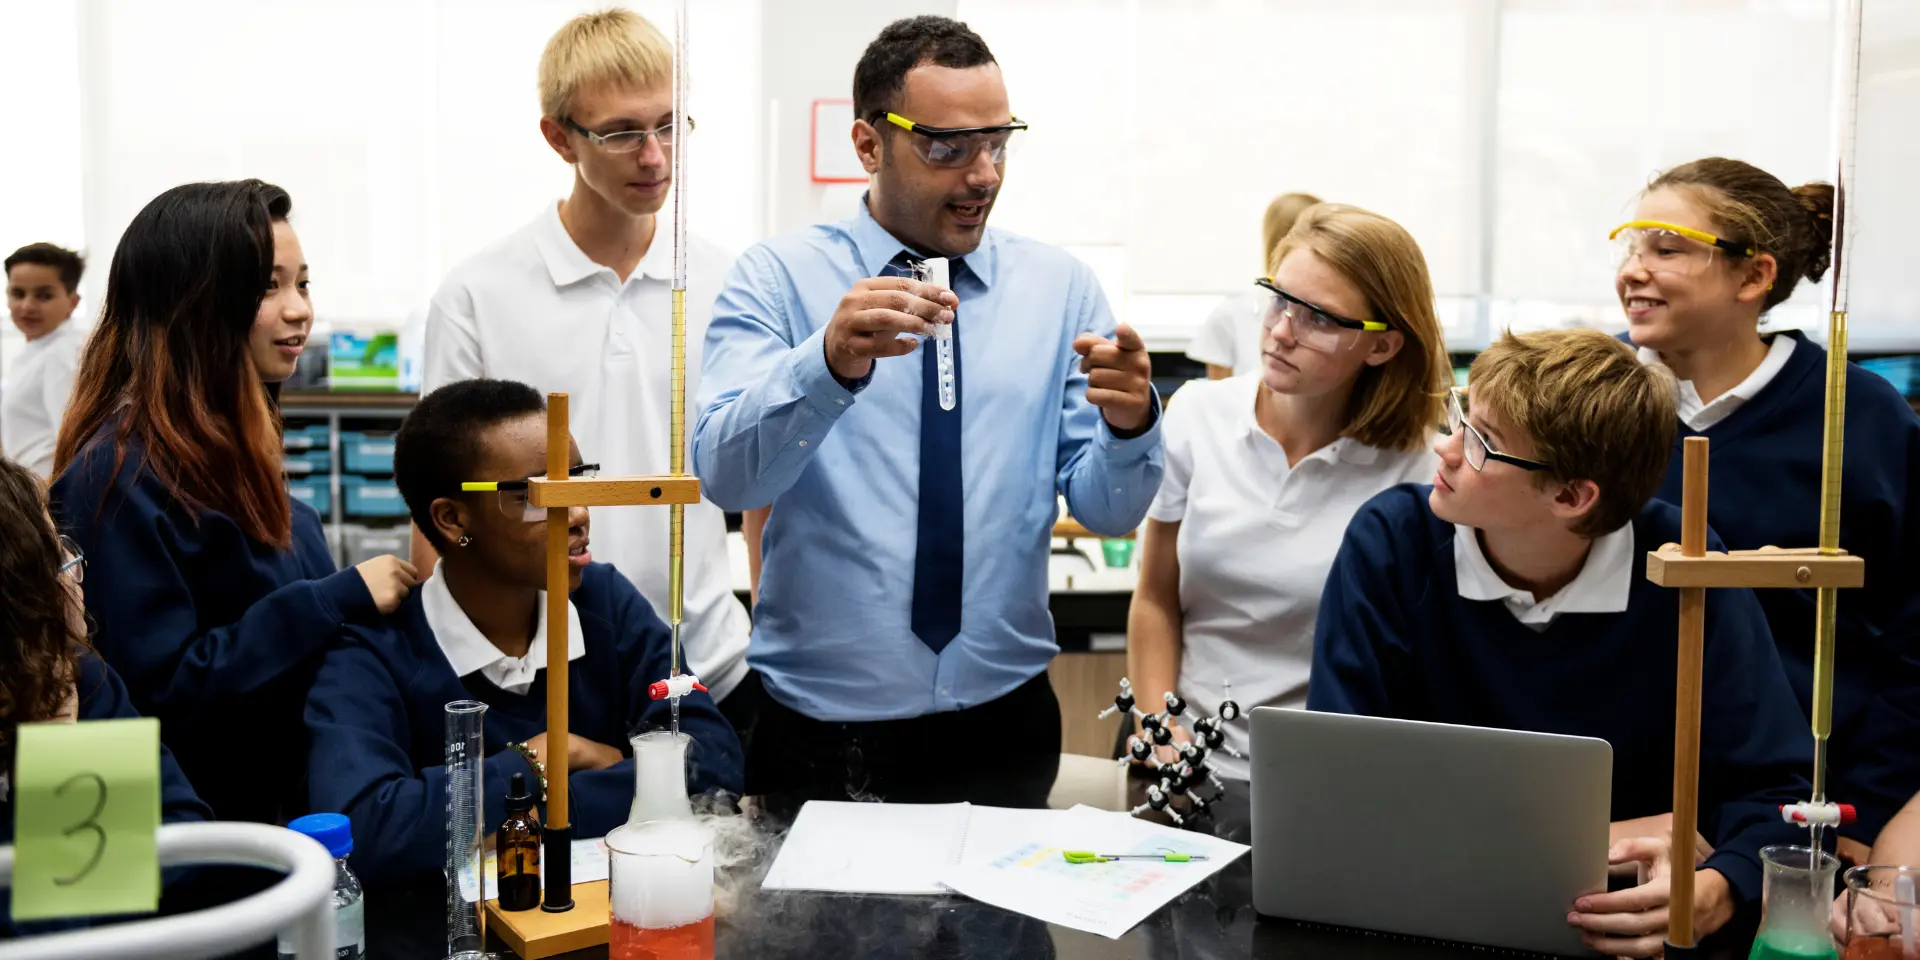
column 1455, row 833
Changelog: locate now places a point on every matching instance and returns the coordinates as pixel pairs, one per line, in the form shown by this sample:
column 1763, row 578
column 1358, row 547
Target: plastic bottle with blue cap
column 334, row 832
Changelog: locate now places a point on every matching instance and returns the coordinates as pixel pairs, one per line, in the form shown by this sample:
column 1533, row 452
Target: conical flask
column 661, row 874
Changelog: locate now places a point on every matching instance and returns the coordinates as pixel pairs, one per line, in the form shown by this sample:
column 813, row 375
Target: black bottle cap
column 518, row 799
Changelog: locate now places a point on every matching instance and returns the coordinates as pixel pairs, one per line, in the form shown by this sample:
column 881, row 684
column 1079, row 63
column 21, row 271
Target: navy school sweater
column 103, row 697
column 1395, row 639
column 1763, row 485
column 377, row 715
column 216, row 634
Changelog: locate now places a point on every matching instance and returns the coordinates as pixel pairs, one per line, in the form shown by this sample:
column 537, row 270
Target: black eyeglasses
column 1475, row 446
column 627, row 141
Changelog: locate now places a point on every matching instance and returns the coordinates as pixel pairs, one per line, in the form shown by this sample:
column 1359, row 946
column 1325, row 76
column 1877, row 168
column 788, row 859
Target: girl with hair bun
column 1713, row 245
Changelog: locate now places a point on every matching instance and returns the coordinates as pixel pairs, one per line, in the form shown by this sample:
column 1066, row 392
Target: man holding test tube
column 902, row 620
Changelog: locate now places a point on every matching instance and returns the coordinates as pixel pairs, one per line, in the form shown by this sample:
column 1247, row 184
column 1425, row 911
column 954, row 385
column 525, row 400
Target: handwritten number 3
column 99, row 832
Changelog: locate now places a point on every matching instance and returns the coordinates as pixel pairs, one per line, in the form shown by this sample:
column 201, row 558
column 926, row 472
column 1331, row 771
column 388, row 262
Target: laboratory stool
column 1094, row 781
column 301, row 902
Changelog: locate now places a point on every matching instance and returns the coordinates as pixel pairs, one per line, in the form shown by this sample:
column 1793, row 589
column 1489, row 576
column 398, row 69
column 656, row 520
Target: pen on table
column 1088, row 856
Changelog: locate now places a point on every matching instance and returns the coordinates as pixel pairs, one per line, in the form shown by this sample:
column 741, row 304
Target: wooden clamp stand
column 1688, row 567
column 564, row 923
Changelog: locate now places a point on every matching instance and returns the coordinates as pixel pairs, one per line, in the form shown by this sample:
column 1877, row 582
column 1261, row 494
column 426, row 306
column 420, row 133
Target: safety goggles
column 953, row 147
column 1670, row 248
column 627, row 141
column 512, row 494
column 1474, row 445
column 1312, row 327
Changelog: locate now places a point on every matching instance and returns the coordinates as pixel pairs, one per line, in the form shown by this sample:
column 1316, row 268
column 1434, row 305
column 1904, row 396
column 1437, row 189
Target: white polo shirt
column 1256, row 542
column 534, row 308
column 35, row 397
column 1603, row 584
column 1699, row 416
column 1230, row 336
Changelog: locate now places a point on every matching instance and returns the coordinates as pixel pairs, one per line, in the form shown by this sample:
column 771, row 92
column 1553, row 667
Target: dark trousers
column 1003, row 753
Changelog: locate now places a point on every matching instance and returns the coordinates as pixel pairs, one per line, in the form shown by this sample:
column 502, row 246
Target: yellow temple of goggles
column 512, row 494
column 957, row 146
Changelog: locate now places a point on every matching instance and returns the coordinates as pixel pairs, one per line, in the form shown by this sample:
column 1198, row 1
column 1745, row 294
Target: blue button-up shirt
column 831, row 634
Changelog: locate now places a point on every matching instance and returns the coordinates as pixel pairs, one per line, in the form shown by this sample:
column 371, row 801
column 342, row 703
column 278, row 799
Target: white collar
column 1602, row 586
column 1700, row 415
column 1341, row 449
column 468, row 650
column 567, row 263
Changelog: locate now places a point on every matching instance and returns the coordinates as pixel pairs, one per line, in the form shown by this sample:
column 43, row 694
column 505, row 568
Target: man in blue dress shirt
column 902, row 631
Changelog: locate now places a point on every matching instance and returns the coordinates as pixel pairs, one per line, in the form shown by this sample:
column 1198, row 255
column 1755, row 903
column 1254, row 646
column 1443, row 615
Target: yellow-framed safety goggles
column 1663, row 247
column 953, row 147
column 512, row 494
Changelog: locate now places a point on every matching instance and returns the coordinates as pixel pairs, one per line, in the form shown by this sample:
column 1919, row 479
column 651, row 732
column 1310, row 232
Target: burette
column 1846, row 102
column 677, row 513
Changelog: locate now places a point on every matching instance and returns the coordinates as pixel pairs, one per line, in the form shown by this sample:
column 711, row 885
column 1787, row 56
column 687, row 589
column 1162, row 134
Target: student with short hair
column 1273, row 463
column 43, row 289
column 1229, row 340
column 578, row 301
column 477, row 629
column 1712, row 247
column 1512, row 594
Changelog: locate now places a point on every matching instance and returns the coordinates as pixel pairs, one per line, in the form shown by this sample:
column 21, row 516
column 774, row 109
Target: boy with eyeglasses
column 579, row 301
column 1512, row 593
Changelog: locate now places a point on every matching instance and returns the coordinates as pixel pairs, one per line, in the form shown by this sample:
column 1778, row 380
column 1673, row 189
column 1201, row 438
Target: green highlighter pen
column 1088, row 856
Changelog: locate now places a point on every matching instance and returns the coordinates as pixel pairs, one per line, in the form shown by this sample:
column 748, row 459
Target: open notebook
column 902, row 848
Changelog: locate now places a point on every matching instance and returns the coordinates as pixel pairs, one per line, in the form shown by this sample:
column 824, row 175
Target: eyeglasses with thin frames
column 627, row 141
column 1474, row 445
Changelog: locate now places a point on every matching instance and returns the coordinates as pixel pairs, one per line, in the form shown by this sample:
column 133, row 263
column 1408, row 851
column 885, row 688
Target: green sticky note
column 86, row 805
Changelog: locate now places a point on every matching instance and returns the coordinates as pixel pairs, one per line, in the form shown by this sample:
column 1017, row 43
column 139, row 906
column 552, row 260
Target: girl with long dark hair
column 216, row 591
column 47, row 671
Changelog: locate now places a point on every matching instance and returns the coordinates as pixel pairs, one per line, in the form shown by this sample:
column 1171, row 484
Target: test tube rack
column 570, row 917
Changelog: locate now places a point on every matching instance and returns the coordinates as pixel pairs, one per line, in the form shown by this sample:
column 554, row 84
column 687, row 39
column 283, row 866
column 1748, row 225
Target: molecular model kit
column 1189, row 772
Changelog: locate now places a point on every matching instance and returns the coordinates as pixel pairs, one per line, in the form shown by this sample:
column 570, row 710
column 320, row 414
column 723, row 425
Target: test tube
column 935, row 271
column 466, row 891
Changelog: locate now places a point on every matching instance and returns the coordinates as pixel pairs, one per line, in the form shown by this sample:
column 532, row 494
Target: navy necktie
column 939, row 552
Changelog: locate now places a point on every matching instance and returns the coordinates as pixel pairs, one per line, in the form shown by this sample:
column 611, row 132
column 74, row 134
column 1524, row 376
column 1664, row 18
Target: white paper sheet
column 1024, row 872
column 897, row 848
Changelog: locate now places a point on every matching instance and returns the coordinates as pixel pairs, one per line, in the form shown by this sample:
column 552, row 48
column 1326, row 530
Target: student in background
column 214, row 593
column 1272, row 464
column 578, row 301
column 1229, row 340
column 47, row 671
column 1512, row 594
column 477, row 629
column 43, row 288
column 1713, row 245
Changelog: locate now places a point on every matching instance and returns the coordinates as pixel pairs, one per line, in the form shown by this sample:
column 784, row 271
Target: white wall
column 1508, row 135
column 809, row 51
